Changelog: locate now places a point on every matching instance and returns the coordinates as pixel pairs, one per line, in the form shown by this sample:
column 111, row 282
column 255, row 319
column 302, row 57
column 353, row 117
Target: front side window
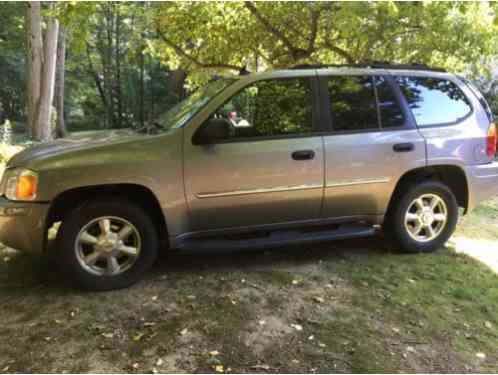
column 269, row 108
column 352, row 102
column 434, row 101
column 178, row 115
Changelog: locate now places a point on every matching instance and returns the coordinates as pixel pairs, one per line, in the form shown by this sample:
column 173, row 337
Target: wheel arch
column 451, row 175
column 68, row 200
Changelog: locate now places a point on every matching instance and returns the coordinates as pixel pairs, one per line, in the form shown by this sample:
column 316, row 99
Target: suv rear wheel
column 105, row 245
column 423, row 218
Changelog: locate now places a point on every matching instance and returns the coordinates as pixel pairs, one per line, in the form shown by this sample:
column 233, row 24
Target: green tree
column 202, row 37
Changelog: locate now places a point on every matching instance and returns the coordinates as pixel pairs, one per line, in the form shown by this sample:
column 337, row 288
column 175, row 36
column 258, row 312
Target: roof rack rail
column 373, row 65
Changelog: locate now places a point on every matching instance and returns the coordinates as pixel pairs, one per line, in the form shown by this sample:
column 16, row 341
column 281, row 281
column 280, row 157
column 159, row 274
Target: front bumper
column 482, row 182
column 22, row 225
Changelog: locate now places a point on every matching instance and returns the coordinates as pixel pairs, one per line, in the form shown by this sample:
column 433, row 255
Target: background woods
column 82, row 66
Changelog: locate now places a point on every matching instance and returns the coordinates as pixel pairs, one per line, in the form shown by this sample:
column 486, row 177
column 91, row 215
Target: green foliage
column 131, row 47
column 207, row 36
column 12, row 73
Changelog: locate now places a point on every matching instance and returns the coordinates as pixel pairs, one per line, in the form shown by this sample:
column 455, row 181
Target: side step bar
column 278, row 238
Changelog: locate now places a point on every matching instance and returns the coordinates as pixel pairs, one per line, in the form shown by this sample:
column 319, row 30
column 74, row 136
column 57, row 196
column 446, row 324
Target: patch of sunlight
column 485, row 251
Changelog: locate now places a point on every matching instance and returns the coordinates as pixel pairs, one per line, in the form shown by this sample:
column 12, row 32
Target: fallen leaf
column 410, row 349
column 159, row 362
column 154, row 370
column 297, row 327
column 48, row 338
column 57, row 321
column 312, row 337
column 138, row 337
column 191, row 297
column 295, row 282
column 219, row 368
column 488, row 324
column 480, row 355
column 321, row 345
column 184, row 331
column 154, row 298
column 395, row 330
column 262, row 322
column 149, row 324
column 135, row 365
column 318, row 299
column 5, row 369
column 108, row 335
column 214, row 353
column 411, row 281
column 260, row 367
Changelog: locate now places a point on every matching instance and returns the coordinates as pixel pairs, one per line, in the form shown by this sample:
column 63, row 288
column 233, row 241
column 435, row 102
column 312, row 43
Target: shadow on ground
column 344, row 306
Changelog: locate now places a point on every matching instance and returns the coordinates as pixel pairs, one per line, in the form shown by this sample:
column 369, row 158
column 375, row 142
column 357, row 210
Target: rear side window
column 479, row 97
column 352, row 101
column 390, row 112
column 434, row 101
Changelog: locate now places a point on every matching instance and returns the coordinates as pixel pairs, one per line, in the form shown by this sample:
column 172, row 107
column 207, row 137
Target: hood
column 77, row 141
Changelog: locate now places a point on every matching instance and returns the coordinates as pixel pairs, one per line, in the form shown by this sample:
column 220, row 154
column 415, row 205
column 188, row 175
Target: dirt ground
column 344, row 306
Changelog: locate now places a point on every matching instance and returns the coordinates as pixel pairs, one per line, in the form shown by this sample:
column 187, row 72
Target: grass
column 346, row 306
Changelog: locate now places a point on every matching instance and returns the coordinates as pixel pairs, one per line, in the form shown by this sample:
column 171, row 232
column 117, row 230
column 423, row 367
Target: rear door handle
column 403, row 147
column 303, row 155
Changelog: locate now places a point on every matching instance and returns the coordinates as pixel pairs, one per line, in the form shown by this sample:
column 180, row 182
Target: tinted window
column 352, row 101
column 433, row 100
column 270, row 108
column 391, row 115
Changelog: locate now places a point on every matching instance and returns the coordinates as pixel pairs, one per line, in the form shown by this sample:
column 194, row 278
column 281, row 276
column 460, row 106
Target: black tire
column 394, row 226
column 66, row 253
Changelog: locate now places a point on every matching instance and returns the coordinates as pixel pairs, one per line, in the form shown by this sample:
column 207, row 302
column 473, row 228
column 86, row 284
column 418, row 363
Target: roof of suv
column 367, row 68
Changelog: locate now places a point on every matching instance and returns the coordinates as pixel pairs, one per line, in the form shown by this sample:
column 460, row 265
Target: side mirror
column 212, row 131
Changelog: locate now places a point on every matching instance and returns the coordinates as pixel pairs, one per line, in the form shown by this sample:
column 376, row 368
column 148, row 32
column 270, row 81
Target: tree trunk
column 107, row 63
column 60, row 125
column 48, row 81
column 117, row 83
column 33, row 64
column 96, row 77
column 178, row 78
column 142, row 89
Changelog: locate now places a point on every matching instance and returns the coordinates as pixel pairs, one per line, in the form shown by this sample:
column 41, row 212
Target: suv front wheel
column 104, row 245
column 423, row 217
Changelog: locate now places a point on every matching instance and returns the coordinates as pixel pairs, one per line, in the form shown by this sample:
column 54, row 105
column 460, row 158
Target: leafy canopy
column 202, row 37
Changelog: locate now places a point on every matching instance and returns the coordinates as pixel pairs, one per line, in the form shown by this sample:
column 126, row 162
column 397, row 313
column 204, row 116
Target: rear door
column 372, row 143
column 270, row 169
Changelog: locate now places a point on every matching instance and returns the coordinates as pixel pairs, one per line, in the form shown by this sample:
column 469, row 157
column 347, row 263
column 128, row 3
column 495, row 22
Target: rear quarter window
column 434, row 101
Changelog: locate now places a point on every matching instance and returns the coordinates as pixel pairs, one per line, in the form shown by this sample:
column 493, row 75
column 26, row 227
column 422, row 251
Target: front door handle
column 403, row 147
column 303, row 155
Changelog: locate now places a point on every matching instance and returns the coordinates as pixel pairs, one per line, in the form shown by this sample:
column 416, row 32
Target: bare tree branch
column 297, row 53
column 193, row 59
column 347, row 56
column 315, row 15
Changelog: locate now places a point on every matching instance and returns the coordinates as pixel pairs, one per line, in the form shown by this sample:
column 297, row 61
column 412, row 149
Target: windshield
column 178, row 115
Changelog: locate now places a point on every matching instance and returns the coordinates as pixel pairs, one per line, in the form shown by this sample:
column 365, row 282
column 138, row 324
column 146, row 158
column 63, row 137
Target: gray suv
column 260, row 160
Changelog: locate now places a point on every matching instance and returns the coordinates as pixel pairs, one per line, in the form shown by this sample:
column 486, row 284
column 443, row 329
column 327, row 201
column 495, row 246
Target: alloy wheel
column 108, row 246
column 426, row 217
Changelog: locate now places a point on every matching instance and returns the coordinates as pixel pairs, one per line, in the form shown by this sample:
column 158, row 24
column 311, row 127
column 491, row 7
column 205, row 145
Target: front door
column 269, row 170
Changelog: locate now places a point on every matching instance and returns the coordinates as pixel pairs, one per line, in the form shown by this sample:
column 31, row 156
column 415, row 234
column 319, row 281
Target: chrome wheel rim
column 108, row 246
column 426, row 217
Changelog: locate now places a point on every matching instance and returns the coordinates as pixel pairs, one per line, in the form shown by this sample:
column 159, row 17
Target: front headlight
column 21, row 184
